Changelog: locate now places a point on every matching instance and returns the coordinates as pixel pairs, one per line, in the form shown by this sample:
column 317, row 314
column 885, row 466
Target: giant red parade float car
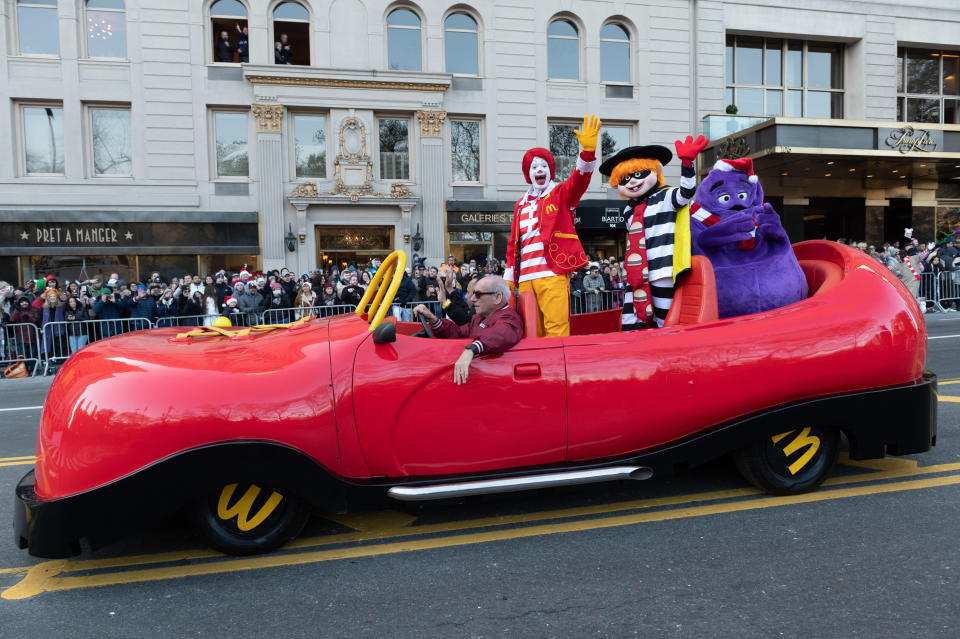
column 251, row 429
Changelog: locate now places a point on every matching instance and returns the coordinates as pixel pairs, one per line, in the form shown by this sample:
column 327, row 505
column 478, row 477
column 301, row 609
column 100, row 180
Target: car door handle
column 526, row 370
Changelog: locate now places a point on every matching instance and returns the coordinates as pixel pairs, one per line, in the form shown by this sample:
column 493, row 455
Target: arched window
column 614, row 54
column 563, row 51
column 461, row 44
column 403, row 41
column 106, row 29
column 228, row 25
column 291, row 34
column 37, row 27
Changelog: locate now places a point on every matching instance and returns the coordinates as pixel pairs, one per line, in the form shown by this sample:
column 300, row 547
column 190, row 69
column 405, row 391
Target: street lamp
column 291, row 239
column 417, row 239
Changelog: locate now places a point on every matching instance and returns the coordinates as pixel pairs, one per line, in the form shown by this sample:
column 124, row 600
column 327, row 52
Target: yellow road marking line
column 29, row 458
column 17, row 463
column 941, row 382
column 378, row 525
column 42, row 577
column 948, row 398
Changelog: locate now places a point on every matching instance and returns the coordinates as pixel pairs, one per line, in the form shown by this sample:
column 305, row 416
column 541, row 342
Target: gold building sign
column 908, row 139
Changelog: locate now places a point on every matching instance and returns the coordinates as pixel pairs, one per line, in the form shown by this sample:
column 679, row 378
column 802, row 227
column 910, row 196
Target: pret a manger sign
column 76, row 234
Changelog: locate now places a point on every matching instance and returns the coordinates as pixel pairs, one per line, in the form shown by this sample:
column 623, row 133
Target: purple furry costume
column 752, row 259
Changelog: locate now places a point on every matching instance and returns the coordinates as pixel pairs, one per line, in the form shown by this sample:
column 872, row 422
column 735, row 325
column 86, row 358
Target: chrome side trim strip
column 528, row 482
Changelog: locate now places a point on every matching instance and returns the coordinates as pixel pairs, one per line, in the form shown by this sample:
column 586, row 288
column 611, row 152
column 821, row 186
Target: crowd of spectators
column 910, row 259
column 193, row 300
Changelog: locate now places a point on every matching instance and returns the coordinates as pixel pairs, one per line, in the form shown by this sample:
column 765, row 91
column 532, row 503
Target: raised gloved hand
column 590, row 132
column 689, row 149
column 769, row 224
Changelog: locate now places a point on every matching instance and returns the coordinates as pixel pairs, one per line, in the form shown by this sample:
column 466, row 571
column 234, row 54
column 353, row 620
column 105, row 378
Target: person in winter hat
column 544, row 247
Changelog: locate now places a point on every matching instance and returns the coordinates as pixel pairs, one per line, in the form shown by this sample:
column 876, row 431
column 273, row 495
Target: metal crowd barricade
column 948, row 289
column 20, row 343
column 185, row 320
column 285, row 315
column 56, row 343
column 433, row 306
column 592, row 302
column 929, row 292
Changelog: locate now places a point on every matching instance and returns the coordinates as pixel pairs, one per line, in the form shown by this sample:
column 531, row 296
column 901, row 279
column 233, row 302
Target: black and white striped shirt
column 659, row 222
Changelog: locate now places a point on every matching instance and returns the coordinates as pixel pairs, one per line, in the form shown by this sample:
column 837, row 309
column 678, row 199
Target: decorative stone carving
column 398, row 190
column 431, row 122
column 269, row 116
column 733, row 149
column 353, row 170
column 306, row 189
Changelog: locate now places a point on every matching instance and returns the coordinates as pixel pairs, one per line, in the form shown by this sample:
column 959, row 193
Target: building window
column 291, row 33
column 38, row 32
column 770, row 76
column 465, row 150
column 228, row 25
column 394, row 150
column 565, row 148
column 461, row 42
column 231, row 144
column 110, row 141
column 310, row 145
column 927, row 86
column 42, row 140
column 403, row 41
column 613, row 139
column 614, row 54
column 563, row 51
column 106, row 29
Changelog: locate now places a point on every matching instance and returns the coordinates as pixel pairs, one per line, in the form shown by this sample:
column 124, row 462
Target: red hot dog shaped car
column 138, row 426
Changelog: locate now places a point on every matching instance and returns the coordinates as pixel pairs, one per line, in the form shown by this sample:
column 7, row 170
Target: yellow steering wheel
column 391, row 269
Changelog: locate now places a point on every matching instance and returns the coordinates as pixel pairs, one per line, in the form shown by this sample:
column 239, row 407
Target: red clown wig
column 538, row 152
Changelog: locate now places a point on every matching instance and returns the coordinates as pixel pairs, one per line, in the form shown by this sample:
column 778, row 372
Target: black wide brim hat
column 649, row 152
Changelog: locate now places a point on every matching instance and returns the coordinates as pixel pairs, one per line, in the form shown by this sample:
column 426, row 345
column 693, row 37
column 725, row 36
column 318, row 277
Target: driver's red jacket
column 495, row 333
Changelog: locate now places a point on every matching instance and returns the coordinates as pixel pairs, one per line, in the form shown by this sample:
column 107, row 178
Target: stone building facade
column 347, row 128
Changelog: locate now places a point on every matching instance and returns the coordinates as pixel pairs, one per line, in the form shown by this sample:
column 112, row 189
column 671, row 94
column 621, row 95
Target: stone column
column 923, row 197
column 433, row 183
column 270, row 187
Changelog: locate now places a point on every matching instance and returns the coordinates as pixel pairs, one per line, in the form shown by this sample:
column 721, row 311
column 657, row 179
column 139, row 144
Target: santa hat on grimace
column 743, row 165
column 538, row 152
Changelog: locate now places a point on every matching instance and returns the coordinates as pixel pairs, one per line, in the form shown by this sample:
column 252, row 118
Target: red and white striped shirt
column 533, row 264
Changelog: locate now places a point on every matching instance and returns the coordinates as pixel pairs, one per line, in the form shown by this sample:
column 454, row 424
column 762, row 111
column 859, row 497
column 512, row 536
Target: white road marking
column 943, row 336
column 3, row 410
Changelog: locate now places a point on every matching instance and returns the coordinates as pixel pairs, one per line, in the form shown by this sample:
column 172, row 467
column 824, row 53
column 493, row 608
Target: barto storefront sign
column 599, row 217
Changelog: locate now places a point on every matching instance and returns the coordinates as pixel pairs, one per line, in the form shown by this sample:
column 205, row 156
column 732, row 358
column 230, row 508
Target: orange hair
column 634, row 165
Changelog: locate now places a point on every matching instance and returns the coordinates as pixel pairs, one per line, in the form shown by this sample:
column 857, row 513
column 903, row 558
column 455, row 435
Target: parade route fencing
column 948, row 290
column 20, row 343
column 62, row 339
column 592, row 302
column 184, row 320
column 48, row 347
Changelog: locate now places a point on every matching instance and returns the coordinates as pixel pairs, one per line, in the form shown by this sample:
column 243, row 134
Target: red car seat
column 695, row 299
column 527, row 307
column 821, row 275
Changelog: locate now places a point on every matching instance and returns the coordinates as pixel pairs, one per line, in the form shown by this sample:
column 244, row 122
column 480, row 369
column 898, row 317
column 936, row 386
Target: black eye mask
column 639, row 175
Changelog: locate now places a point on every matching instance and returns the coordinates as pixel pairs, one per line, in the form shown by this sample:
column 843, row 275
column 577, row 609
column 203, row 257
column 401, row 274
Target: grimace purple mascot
column 753, row 261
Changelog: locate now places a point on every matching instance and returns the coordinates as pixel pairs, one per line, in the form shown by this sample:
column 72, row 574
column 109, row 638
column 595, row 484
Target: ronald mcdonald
column 544, row 248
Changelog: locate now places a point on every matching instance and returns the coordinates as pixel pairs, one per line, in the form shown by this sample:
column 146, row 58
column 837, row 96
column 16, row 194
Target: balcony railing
column 717, row 126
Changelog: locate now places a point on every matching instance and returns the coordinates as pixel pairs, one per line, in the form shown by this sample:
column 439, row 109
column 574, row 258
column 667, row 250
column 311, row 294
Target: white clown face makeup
column 539, row 174
column 637, row 184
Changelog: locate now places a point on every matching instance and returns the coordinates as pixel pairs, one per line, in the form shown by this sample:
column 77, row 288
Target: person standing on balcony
column 224, row 48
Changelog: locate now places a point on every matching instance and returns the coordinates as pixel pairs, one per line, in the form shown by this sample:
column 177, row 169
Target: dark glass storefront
column 601, row 227
column 80, row 245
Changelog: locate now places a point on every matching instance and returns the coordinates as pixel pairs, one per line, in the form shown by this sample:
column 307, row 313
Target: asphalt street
column 872, row 553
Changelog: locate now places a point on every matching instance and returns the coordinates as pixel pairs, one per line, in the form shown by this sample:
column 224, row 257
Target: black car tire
column 767, row 464
column 240, row 532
